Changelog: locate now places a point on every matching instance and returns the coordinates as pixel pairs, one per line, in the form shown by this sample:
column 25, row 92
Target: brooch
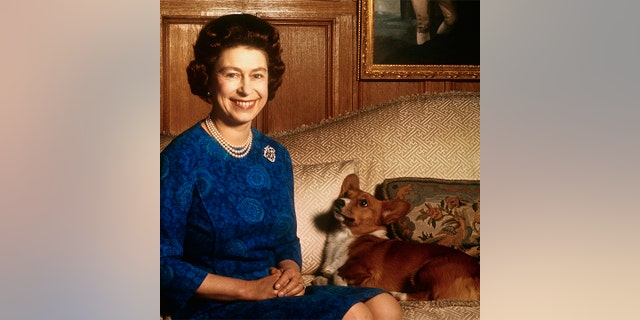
column 270, row 153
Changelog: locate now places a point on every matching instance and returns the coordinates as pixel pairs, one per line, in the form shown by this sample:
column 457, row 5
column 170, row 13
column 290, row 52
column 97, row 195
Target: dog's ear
column 394, row 210
column 350, row 182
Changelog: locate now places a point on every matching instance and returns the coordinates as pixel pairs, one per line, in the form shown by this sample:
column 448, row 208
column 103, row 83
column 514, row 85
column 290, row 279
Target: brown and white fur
column 336, row 250
column 360, row 254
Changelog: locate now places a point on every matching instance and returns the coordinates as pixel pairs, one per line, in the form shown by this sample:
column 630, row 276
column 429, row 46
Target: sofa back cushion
column 424, row 135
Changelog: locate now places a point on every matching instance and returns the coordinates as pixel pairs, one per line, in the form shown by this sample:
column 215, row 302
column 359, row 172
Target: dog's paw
column 320, row 281
column 327, row 272
column 400, row 296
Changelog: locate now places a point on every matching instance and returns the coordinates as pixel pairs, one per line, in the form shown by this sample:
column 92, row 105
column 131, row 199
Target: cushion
column 446, row 212
column 316, row 186
column 424, row 135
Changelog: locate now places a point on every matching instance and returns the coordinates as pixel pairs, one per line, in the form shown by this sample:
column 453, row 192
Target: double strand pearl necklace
column 236, row 152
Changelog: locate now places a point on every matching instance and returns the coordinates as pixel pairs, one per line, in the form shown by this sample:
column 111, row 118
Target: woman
column 228, row 230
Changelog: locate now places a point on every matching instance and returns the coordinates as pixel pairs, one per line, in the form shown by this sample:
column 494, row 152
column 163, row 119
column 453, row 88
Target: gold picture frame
column 402, row 68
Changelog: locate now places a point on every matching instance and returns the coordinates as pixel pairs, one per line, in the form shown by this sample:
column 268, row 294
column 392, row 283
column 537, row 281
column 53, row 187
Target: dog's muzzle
column 338, row 205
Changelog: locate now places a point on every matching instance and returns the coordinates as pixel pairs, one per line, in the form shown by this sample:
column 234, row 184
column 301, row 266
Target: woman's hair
column 228, row 32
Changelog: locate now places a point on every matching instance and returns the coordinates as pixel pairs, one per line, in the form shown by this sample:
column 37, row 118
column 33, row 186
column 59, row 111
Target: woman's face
column 240, row 84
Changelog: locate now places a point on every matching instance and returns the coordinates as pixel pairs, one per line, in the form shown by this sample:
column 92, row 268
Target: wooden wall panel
column 181, row 109
column 472, row 86
column 304, row 96
column 374, row 92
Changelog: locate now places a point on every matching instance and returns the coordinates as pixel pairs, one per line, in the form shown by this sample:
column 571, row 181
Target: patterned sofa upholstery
column 435, row 136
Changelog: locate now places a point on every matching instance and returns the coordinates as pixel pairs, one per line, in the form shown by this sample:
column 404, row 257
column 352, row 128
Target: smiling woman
column 241, row 90
column 228, row 229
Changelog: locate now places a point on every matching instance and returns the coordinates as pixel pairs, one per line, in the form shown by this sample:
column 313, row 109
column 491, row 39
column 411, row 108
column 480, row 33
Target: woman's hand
column 264, row 288
column 290, row 281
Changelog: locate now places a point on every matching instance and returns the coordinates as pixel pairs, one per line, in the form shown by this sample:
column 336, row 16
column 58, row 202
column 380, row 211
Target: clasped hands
column 289, row 282
column 284, row 281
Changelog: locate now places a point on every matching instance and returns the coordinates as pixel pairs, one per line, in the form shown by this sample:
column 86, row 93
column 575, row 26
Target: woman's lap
column 319, row 302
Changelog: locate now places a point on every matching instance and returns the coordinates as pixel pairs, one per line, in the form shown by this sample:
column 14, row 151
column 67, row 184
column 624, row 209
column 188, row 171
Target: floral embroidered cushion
column 446, row 212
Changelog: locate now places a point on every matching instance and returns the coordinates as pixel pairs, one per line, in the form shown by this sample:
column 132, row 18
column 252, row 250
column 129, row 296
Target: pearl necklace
column 236, row 152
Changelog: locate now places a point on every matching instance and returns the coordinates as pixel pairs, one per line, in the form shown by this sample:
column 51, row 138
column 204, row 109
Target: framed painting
column 419, row 39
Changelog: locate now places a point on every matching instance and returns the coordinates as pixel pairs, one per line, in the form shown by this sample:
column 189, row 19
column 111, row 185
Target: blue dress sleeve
column 290, row 245
column 178, row 279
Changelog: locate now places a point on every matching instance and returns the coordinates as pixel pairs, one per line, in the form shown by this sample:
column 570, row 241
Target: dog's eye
column 364, row 203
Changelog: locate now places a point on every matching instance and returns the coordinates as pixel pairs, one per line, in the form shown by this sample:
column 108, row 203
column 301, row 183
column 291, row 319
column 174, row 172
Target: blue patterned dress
column 236, row 218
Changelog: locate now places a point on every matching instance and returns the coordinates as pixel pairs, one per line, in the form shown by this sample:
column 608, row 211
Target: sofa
column 423, row 148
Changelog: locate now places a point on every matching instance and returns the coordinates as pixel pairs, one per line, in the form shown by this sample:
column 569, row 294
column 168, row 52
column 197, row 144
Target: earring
column 208, row 94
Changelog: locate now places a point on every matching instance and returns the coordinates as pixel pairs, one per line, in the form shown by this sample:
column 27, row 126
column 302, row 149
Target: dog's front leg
column 338, row 261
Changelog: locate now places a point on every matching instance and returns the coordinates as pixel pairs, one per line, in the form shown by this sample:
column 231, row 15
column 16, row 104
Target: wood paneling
column 374, row 92
column 304, row 96
column 319, row 49
column 181, row 109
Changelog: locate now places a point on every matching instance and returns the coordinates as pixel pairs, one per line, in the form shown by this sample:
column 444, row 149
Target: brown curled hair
column 228, row 32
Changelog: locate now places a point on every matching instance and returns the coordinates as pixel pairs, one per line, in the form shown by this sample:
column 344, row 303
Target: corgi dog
column 359, row 253
column 336, row 250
